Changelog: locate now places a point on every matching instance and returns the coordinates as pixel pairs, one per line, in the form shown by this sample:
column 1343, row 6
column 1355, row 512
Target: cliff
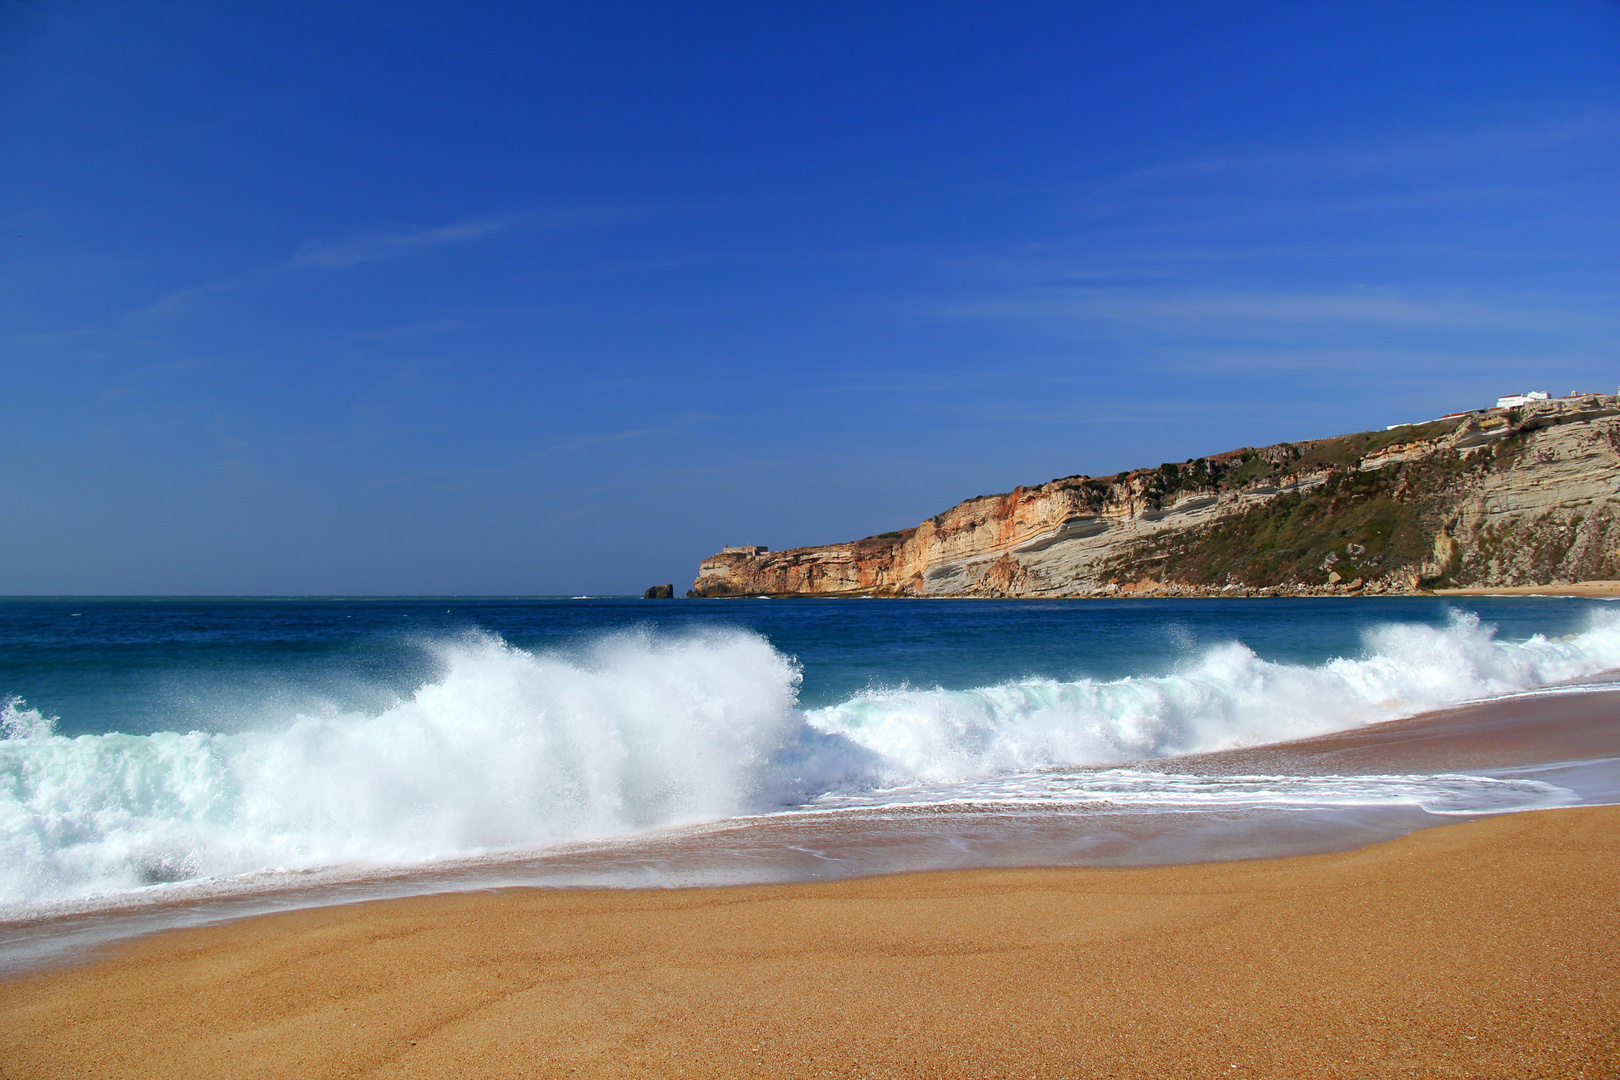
column 1525, row 496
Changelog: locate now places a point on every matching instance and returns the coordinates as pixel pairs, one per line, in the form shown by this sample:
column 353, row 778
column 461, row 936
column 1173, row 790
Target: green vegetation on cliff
column 1358, row 524
column 1238, row 470
column 1491, row 497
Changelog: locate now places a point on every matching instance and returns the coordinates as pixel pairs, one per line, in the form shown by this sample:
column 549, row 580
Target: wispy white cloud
column 1248, row 332
column 220, row 428
column 56, row 337
column 1408, row 194
column 140, row 378
column 1447, row 149
column 186, row 300
column 1311, row 248
column 407, row 330
column 363, row 248
column 354, row 250
column 1173, row 304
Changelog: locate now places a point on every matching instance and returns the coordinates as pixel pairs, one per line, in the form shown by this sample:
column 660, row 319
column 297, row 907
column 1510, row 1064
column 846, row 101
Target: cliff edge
column 1497, row 497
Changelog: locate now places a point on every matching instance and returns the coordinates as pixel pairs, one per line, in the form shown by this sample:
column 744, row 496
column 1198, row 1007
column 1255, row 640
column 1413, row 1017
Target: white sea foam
column 512, row 749
column 1145, row 790
column 1225, row 697
column 507, row 749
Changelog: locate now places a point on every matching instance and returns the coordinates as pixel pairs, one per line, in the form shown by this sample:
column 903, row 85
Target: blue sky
column 518, row 299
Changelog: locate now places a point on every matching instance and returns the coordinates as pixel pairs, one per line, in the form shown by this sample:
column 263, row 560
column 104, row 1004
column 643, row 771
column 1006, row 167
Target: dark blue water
column 145, row 665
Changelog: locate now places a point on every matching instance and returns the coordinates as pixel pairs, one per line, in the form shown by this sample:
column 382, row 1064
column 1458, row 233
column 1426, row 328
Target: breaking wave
column 512, row 749
column 1226, row 697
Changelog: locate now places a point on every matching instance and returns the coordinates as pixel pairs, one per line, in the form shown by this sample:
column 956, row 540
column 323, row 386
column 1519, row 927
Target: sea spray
column 507, row 749
column 1224, row 697
column 511, row 749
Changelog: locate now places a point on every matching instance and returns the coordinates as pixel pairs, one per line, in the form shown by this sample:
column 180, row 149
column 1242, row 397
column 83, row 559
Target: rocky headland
column 1503, row 497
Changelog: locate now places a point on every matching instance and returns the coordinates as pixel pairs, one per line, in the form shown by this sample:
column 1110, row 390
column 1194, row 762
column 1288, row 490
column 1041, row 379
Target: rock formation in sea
column 659, row 592
column 1497, row 497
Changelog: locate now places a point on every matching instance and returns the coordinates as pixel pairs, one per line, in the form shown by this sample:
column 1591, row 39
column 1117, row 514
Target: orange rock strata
column 1518, row 498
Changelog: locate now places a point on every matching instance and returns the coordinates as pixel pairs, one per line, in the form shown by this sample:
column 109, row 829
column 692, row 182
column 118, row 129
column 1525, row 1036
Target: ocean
column 175, row 761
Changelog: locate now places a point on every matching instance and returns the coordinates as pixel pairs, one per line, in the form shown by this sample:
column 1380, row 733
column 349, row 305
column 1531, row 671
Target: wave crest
column 1224, row 698
column 508, row 749
column 513, row 749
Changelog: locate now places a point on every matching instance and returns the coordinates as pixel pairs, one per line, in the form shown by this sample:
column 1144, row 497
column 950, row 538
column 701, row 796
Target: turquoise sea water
column 145, row 665
column 153, row 744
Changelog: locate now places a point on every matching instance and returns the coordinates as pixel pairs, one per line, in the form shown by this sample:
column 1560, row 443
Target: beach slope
column 1490, row 948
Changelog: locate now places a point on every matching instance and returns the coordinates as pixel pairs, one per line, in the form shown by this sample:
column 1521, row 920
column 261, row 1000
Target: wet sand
column 1525, row 730
column 1513, row 732
column 1487, row 949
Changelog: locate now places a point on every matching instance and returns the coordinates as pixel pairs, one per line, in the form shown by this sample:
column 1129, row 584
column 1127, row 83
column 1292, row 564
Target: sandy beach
column 1589, row 589
column 1488, row 949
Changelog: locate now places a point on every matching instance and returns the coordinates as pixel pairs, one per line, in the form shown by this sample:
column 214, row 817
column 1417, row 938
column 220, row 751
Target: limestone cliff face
column 1527, row 496
column 1552, row 516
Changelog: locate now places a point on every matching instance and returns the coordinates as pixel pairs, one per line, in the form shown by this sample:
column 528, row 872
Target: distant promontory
column 1521, row 494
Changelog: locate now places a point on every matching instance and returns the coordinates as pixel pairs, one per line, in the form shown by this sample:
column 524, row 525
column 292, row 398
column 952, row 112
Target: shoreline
column 1590, row 590
column 1490, row 947
column 1586, row 589
column 1487, row 946
column 1563, row 736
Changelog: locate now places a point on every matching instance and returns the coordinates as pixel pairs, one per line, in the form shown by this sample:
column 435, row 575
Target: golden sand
column 1574, row 588
column 1487, row 949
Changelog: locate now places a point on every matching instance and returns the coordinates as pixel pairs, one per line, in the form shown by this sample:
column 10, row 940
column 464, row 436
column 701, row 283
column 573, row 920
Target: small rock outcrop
column 1528, row 495
column 659, row 592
